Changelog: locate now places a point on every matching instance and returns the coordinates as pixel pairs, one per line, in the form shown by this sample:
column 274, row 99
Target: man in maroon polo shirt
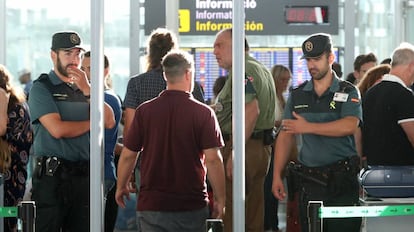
column 179, row 140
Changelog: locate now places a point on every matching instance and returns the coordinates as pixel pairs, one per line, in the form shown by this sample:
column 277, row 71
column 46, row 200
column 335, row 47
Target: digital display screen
column 306, row 14
column 271, row 56
column 207, row 69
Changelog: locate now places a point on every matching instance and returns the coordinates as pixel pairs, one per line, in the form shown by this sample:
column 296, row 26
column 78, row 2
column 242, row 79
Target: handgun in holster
column 292, row 181
column 297, row 177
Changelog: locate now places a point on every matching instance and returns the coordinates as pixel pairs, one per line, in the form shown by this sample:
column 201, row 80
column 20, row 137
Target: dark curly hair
column 160, row 42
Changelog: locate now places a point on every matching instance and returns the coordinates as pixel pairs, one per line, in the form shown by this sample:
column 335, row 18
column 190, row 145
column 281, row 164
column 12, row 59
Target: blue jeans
column 183, row 221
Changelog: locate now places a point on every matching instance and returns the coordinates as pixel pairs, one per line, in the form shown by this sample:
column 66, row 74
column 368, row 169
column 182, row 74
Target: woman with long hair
column 15, row 142
column 282, row 77
column 372, row 77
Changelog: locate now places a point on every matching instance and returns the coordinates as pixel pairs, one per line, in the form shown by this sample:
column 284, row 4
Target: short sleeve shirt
column 71, row 105
column 144, row 87
column 385, row 106
column 172, row 131
column 258, row 84
column 336, row 103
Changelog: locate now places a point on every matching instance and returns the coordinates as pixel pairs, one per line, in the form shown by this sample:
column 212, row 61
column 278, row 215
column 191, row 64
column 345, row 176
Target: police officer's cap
column 66, row 40
column 315, row 45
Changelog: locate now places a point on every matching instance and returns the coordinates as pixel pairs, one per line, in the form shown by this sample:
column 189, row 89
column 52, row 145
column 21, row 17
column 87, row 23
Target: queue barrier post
column 214, row 225
column 314, row 220
column 26, row 214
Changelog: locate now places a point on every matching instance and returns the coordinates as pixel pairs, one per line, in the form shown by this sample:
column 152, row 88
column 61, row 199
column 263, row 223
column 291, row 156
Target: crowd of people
column 177, row 152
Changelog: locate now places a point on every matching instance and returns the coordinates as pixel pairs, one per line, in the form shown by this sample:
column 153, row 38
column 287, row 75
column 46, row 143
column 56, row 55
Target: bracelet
column 87, row 96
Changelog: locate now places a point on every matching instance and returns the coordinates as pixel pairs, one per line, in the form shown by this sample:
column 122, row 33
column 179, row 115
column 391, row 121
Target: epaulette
column 346, row 86
column 42, row 77
column 301, row 85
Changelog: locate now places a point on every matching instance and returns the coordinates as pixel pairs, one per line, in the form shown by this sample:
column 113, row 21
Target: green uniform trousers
column 257, row 159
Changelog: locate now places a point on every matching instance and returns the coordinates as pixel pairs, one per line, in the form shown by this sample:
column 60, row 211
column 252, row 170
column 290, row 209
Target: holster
column 292, row 181
column 269, row 136
column 48, row 166
column 55, row 166
column 335, row 177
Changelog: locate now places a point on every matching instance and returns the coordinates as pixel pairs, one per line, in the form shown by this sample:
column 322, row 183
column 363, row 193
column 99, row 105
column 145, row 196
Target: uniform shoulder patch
column 248, row 83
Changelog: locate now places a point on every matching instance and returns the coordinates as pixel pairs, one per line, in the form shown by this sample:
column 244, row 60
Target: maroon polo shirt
column 172, row 130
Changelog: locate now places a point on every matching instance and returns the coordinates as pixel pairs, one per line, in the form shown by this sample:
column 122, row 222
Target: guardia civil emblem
column 74, row 38
column 308, row 46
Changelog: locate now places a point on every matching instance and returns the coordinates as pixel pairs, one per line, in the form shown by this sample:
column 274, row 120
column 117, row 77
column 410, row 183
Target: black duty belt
column 52, row 166
column 258, row 134
column 348, row 165
column 335, row 178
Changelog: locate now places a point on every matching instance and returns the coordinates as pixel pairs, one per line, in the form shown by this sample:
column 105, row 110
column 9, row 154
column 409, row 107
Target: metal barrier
column 214, row 225
column 317, row 212
column 1, row 201
column 314, row 219
column 25, row 213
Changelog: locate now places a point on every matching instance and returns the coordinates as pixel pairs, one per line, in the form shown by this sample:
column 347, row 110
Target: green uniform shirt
column 259, row 84
column 70, row 103
column 336, row 103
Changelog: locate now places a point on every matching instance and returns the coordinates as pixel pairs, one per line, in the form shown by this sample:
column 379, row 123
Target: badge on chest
column 340, row 97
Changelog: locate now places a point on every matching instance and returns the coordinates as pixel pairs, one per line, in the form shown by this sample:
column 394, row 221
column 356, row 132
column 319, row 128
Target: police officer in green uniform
column 59, row 108
column 260, row 97
column 325, row 112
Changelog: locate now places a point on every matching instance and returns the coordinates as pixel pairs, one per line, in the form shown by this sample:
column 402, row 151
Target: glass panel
column 409, row 27
column 31, row 24
column 374, row 25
